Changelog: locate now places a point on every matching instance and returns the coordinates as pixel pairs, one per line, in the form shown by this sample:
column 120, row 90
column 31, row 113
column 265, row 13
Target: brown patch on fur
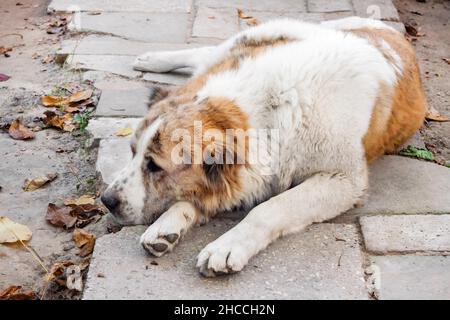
column 244, row 48
column 211, row 187
column 406, row 101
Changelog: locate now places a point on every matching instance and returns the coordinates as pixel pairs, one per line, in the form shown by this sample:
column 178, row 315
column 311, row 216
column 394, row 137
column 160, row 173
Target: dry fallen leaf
column 36, row 183
column 11, row 231
column 73, row 215
column 53, row 101
column 446, row 60
column 61, row 122
column 18, row 131
column 57, row 272
column 123, row 132
column 80, row 96
column 434, row 115
column 66, row 274
column 50, row 58
column 4, row 77
column 4, row 50
column 85, row 241
column 242, row 15
column 15, row 293
column 84, row 199
column 60, row 216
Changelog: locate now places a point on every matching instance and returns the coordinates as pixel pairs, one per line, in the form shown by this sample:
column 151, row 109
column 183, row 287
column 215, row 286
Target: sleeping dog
column 330, row 97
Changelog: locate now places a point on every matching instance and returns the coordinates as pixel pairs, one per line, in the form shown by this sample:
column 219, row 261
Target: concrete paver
column 309, row 265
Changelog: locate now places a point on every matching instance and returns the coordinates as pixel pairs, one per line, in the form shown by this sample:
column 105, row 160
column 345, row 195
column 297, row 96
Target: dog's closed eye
column 152, row 166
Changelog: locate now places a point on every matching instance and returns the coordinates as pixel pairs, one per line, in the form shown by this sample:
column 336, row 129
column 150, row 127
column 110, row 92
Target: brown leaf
column 84, row 199
column 4, row 50
column 36, row 183
column 15, row 293
column 60, row 216
column 434, row 115
column 53, row 101
column 85, row 241
column 411, row 30
column 446, row 60
column 58, row 272
column 18, row 131
column 242, row 15
column 86, row 211
column 61, row 122
column 80, row 96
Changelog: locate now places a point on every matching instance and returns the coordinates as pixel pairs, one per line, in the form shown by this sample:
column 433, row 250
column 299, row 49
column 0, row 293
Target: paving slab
column 412, row 277
column 120, row 65
column 148, row 27
column 329, row 6
column 174, row 78
column 257, row 5
column 404, row 185
column 316, row 17
column 106, row 128
column 113, row 156
column 403, row 233
column 376, row 9
column 215, row 23
column 123, row 103
column 308, row 265
column 120, row 6
column 109, row 45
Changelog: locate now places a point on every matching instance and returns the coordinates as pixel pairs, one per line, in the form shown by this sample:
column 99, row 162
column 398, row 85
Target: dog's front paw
column 158, row 242
column 223, row 256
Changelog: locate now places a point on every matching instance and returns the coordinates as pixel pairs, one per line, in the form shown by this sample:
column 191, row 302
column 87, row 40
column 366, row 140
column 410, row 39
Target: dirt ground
column 33, row 73
column 433, row 21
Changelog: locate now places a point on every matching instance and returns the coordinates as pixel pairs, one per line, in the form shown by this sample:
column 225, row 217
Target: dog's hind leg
column 319, row 198
column 164, row 234
column 166, row 61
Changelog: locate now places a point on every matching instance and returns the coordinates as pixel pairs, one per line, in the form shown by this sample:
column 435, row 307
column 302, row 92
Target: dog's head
column 183, row 150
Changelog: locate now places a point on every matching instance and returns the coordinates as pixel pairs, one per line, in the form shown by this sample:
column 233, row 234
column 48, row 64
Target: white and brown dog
column 337, row 94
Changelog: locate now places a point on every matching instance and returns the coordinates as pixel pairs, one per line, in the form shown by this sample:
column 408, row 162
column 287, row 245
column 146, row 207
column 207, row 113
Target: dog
column 336, row 95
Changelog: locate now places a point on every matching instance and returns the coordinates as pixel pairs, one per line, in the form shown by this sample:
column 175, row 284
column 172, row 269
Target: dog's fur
column 340, row 94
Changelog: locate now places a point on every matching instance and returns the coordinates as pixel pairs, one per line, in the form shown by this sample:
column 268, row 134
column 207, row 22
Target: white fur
column 319, row 92
column 133, row 188
column 175, row 221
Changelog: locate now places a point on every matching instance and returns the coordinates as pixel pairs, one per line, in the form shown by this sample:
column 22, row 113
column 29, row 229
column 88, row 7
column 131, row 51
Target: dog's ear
column 157, row 93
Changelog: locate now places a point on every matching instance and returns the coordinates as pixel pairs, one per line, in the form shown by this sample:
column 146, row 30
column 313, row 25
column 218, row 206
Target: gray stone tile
column 126, row 102
column 376, row 9
column 108, row 45
column 148, row 27
column 113, row 156
column 403, row 233
column 106, row 128
column 405, row 185
column 215, row 23
column 264, row 16
column 329, row 6
column 411, row 277
column 120, row 6
column 308, row 265
column 257, row 5
column 174, row 78
column 120, row 65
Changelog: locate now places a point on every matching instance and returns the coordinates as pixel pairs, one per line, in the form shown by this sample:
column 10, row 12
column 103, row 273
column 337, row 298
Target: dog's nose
column 110, row 200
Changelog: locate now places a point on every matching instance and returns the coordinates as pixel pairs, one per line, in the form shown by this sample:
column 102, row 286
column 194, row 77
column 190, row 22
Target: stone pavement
column 393, row 248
